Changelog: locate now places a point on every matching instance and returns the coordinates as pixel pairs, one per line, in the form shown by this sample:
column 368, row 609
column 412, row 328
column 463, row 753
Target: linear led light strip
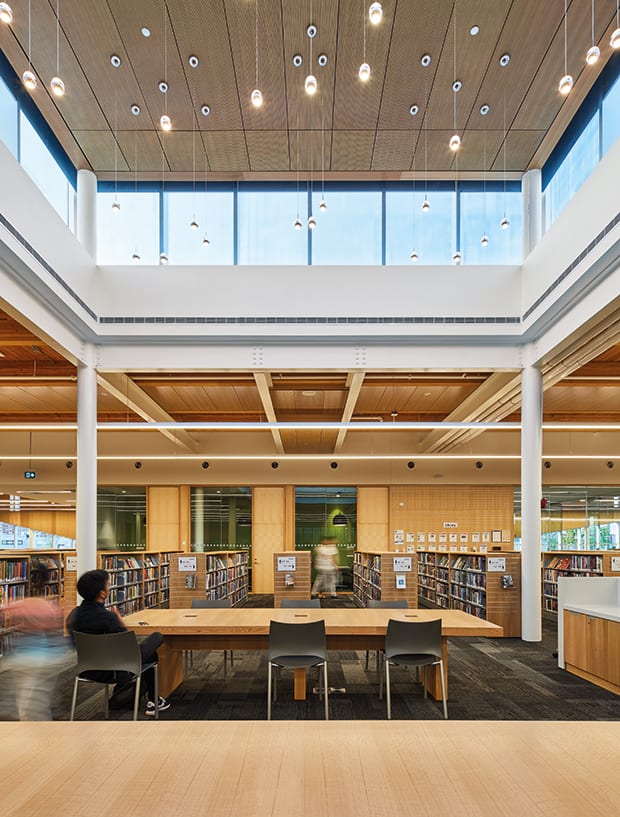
column 351, row 426
column 306, row 457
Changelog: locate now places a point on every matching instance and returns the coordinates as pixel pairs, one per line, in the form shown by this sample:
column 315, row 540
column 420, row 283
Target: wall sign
column 615, row 564
column 71, row 563
column 496, row 564
column 286, row 564
column 187, row 564
column 402, row 564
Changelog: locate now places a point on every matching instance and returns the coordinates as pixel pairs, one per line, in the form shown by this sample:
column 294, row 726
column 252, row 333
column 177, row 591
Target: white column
column 86, row 501
column 531, row 493
column 531, row 191
column 86, row 222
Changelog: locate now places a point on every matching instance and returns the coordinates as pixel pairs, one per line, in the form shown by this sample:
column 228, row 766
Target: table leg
column 300, row 684
column 169, row 669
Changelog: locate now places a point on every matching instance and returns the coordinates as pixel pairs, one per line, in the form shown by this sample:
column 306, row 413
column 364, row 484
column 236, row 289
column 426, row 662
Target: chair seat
column 292, row 661
column 414, row 659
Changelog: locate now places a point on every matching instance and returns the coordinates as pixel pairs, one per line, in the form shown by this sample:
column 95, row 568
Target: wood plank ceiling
column 349, row 129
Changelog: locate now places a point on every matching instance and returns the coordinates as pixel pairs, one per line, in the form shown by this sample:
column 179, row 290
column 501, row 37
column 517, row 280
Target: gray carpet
column 497, row 679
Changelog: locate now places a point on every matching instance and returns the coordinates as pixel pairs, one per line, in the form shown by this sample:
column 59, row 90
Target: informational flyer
column 286, row 564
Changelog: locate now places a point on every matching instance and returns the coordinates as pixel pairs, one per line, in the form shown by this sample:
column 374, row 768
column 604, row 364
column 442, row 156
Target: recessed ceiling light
column 297, row 60
column 474, row 30
column 311, row 31
column 484, row 109
column 322, row 60
column 457, row 85
column 426, row 60
column 504, row 60
column 413, row 110
column 135, row 109
column 115, row 60
column 194, row 61
column 146, row 32
column 163, row 87
column 205, row 110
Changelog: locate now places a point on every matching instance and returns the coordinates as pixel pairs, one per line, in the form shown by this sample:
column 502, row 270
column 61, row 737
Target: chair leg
column 424, row 683
column 136, row 700
column 232, row 663
column 225, row 663
column 326, row 690
column 367, row 656
column 156, row 688
column 443, row 691
column 387, row 689
column 269, row 691
column 381, row 674
column 106, row 702
column 74, row 698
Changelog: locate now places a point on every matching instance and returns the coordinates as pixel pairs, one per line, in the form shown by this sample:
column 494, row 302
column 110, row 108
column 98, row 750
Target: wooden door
column 268, row 534
column 575, row 639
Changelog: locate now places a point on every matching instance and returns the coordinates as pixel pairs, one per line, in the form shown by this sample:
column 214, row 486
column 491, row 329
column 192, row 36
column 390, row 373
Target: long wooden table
column 310, row 769
column 247, row 628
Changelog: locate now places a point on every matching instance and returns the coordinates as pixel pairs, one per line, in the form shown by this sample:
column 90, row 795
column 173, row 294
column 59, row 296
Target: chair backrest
column 297, row 639
column 108, row 651
column 397, row 604
column 413, row 637
column 300, row 603
column 205, row 603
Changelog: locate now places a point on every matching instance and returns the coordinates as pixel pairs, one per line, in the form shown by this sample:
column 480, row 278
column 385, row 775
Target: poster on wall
column 42, row 540
column 22, row 537
column 7, row 535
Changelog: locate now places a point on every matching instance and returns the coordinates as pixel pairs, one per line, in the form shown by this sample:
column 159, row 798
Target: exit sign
column 30, row 474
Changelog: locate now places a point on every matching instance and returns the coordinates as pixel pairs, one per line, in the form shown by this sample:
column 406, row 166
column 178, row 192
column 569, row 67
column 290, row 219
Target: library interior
column 310, row 407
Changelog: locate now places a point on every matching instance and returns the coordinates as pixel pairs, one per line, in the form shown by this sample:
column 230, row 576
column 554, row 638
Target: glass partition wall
column 221, row 518
column 121, row 517
column 328, row 515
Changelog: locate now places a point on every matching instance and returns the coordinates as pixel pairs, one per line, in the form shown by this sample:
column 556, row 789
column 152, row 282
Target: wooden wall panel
column 163, row 517
column 59, row 522
column 268, row 534
column 475, row 509
column 373, row 525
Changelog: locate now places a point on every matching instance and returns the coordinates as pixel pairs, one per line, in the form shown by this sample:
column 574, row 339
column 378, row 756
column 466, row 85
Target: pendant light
column 339, row 520
column 484, row 241
column 28, row 77
column 322, row 203
column 364, row 69
column 116, row 205
column 426, row 205
column 193, row 223
column 136, row 255
column 6, row 13
column 165, row 121
column 504, row 223
column 56, row 84
column 594, row 52
column 310, row 83
column 256, row 97
column 297, row 223
column 614, row 40
column 414, row 255
column 566, row 83
column 457, row 257
column 311, row 218
column 163, row 255
column 205, row 240
column 375, row 13
column 455, row 139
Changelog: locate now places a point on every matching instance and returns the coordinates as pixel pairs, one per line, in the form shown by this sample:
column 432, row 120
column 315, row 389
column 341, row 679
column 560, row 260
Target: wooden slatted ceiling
column 362, row 121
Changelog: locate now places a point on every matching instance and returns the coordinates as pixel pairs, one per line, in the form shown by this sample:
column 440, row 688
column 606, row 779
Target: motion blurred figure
column 40, row 650
column 326, row 566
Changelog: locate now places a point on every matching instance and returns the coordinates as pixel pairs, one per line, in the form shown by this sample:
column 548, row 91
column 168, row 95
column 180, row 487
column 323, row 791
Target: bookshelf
column 474, row 583
column 376, row 574
column 14, row 578
column 213, row 575
column 576, row 563
column 138, row 581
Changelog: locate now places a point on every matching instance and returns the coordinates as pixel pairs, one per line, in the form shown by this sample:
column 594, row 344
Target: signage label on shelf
column 187, row 564
column 286, row 564
column 402, row 564
column 496, row 564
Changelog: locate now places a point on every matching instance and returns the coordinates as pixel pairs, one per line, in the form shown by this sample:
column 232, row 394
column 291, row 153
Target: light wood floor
column 310, row 769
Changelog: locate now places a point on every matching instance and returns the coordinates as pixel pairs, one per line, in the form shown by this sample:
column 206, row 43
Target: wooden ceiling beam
column 263, row 384
column 354, row 384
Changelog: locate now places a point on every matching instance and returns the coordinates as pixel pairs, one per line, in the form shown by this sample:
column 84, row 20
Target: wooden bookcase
column 374, row 577
column 301, row 587
column 463, row 581
column 138, row 581
column 558, row 563
column 214, row 575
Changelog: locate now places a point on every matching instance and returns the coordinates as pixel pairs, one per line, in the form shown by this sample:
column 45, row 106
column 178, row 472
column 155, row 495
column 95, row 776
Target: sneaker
column 162, row 706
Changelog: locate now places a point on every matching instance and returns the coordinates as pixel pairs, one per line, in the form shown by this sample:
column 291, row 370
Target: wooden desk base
column 171, row 658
